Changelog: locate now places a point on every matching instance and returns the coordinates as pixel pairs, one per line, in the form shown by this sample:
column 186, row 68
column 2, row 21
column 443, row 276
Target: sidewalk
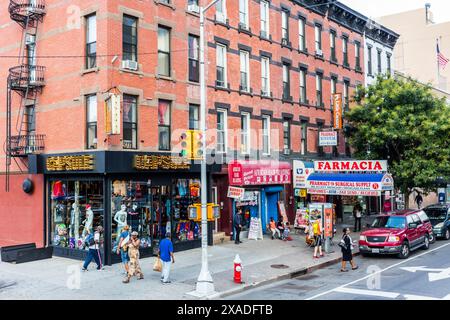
column 48, row 279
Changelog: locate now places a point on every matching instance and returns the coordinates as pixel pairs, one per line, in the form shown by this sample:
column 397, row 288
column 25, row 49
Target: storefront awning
column 253, row 172
column 349, row 184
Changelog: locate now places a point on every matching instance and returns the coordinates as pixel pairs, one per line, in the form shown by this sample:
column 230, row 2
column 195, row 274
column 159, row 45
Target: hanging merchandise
column 194, row 190
column 182, row 186
column 168, row 207
column 59, row 191
column 59, row 213
column 196, row 231
column 133, row 218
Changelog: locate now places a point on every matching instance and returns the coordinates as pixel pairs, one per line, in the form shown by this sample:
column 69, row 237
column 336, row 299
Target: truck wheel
column 426, row 243
column 404, row 250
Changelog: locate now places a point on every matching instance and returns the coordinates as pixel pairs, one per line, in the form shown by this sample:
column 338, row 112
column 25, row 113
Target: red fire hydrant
column 237, row 269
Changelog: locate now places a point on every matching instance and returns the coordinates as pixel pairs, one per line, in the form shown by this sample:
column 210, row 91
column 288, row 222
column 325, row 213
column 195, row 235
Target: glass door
column 161, row 207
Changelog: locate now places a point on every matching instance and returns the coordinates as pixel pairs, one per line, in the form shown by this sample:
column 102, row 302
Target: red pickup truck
column 398, row 233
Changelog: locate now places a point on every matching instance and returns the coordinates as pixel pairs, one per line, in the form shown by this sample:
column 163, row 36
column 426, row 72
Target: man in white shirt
column 94, row 249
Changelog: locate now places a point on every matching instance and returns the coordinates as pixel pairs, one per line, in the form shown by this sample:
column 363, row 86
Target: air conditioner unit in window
column 287, row 151
column 284, row 42
column 319, row 52
column 129, row 64
column 193, row 8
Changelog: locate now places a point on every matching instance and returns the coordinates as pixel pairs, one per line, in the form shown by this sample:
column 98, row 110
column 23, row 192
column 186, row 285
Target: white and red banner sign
column 351, row 165
column 235, row 192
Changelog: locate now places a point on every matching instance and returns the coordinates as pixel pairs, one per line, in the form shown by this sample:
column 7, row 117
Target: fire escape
column 26, row 80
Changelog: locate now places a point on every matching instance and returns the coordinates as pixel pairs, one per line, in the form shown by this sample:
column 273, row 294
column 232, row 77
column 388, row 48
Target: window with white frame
column 91, row 41
column 221, row 11
column 91, row 121
column 286, row 134
column 345, row 51
column 302, row 34
column 319, row 94
column 380, row 69
column 265, row 76
column 388, row 63
column 286, row 82
column 333, row 45
column 221, row 65
column 222, row 128
column 243, row 14
column 357, row 56
column 264, row 9
column 245, row 133
column 285, row 27
column 245, row 73
column 266, row 135
column 333, row 85
column 193, row 6
column 318, row 38
column 303, row 72
column 304, row 138
column 369, row 60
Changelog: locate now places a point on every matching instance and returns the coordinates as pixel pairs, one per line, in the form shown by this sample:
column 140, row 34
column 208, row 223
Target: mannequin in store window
column 88, row 222
column 74, row 221
column 121, row 219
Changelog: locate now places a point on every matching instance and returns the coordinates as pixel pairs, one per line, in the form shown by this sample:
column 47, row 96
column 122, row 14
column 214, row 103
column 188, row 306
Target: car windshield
column 389, row 222
column 436, row 214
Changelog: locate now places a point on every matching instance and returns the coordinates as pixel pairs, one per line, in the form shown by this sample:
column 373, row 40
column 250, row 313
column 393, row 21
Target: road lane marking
column 377, row 272
column 376, row 293
column 416, row 297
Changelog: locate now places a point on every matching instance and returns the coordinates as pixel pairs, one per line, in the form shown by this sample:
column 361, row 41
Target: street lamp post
column 205, row 284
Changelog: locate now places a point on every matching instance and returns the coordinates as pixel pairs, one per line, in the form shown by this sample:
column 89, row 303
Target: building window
column 379, row 61
column 319, row 95
column 318, row 37
column 245, row 74
column 164, row 51
column 245, row 133
column 194, row 117
column 333, row 85
column 285, row 27
column 91, row 121
column 265, row 76
column 302, row 34
column 357, row 56
column 286, row 82
column 193, row 6
column 221, row 65
column 221, row 131
column 346, row 94
column 129, row 34
column 286, row 134
column 91, row 41
column 194, row 66
column 243, row 14
column 130, row 122
column 221, row 11
column 303, row 73
column 266, row 135
column 264, row 8
column 304, row 128
column 164, row 107
column 345, row 51
column 369, row 61
column 388, row 61
column 333, row 46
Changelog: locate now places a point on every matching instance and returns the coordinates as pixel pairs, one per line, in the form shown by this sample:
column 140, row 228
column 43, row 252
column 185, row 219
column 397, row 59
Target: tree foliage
column 400, row 120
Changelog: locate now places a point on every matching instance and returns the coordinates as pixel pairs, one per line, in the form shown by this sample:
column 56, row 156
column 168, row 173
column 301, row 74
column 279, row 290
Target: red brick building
column 269, row 63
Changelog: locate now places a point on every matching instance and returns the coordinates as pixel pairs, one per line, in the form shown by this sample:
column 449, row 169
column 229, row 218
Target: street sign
column 235, row 192
column 327, row 138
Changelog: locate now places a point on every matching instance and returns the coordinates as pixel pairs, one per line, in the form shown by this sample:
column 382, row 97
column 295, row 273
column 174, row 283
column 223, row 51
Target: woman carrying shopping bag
column 346, row 245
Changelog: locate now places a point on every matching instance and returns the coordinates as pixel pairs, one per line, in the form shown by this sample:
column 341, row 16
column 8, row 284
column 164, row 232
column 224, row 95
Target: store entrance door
column 161, row 210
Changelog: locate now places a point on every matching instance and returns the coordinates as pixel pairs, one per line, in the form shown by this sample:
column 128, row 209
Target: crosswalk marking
column 376, row 293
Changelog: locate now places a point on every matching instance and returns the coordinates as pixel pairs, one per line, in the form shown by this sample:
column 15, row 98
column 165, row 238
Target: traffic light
column 186, row 144
column 197, row 144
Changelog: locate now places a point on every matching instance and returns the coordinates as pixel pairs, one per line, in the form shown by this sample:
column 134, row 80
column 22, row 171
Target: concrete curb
column 289, row 275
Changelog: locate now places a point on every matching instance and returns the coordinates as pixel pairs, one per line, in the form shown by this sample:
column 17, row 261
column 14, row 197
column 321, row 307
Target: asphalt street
column 425, row 275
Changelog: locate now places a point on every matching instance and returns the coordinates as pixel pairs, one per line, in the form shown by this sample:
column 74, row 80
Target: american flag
column 442, row 60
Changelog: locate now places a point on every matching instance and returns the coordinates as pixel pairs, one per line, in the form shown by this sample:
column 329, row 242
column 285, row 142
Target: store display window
column 154, row 210
column 76, row 208
column 250, row 208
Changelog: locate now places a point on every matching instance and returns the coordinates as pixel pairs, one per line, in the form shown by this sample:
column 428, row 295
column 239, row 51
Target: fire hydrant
column 237, row 269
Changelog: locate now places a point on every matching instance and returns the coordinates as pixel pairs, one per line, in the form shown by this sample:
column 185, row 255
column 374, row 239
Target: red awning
column 258, row 172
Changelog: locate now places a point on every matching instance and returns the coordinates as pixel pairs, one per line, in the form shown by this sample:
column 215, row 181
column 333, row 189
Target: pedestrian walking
column 122, row 248
column 166, row 256
column 419, row 200
column 274, row 229
column 317, row 230
column 357, row 214
column 134, row 268
column 238, row 226
column 346, row 245
column 94, row 249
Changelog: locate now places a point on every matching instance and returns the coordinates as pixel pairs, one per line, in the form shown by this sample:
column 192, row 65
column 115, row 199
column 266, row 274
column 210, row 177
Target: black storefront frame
column 113, row 161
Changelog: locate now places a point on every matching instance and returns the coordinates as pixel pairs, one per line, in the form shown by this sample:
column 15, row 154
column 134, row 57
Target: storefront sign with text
column 156, row 162
column 235, row 192
column 356, row 166
column 327, row 138
column 70, row 163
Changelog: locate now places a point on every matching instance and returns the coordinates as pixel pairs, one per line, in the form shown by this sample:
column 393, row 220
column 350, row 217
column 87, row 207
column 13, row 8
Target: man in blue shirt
column 122, row 248
column 165, row 254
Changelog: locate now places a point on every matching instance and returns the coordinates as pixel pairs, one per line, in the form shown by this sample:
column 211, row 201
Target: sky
column 377, row 8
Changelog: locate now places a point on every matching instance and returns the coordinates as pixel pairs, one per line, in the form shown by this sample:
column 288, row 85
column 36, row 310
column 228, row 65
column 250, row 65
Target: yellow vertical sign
column 337, row 111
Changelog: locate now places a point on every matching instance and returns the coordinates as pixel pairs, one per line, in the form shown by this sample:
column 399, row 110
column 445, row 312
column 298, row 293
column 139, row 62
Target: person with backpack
column 93, row 242
column 346, row 245
column 317, row 230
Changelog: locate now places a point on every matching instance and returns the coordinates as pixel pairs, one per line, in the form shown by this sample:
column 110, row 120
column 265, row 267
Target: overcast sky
column 378, row 8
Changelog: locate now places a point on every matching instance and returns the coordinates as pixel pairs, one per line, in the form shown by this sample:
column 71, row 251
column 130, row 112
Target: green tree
column 400, row 120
